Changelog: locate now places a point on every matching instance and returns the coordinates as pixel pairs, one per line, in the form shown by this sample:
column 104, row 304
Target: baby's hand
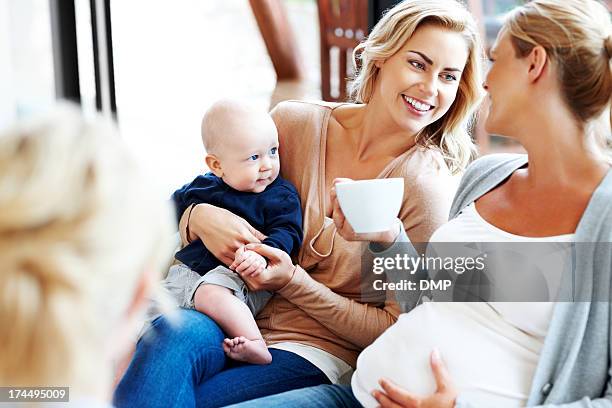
column 248, row 263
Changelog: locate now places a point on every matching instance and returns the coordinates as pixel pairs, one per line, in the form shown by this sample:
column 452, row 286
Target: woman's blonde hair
column 450, row 133
column 577, row 37
column 78, row 228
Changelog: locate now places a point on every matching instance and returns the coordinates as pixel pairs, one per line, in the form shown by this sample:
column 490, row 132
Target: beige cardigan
column 320, row 305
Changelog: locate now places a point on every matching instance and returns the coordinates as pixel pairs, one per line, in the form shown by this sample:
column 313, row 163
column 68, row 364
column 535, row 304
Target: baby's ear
column 214, row 164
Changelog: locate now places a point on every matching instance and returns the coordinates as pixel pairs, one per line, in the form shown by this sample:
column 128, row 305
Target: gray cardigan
column 574, row 368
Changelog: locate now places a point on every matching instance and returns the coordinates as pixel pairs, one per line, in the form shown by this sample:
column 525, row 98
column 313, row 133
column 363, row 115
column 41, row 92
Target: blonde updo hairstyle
column 78, row 229
column 450, row 133
column 577, row 37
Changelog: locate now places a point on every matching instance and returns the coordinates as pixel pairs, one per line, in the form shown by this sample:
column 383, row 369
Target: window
column 26, row 59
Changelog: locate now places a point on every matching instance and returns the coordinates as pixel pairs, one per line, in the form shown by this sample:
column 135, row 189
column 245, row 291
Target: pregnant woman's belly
column 490, row 360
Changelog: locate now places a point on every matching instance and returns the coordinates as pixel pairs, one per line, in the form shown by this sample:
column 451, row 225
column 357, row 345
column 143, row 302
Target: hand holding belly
column 393, row 396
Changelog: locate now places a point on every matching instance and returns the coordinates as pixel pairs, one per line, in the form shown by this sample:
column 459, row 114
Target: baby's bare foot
column 249, row 351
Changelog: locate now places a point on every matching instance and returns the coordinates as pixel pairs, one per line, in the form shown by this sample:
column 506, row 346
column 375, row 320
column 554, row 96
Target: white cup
column 371, row 205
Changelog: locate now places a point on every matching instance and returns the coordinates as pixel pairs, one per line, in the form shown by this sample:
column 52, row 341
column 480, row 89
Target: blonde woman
column 415, row 93
column 550, row 86
column 79, row 254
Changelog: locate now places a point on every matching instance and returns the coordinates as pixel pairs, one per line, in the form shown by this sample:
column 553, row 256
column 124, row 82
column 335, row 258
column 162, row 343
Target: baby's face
column 250, row 159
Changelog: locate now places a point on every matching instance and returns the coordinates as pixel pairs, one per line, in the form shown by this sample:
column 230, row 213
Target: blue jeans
column 184, row 366
column 322, row 396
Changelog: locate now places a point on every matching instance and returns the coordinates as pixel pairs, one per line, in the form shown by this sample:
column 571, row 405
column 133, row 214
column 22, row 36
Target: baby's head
column 241, row 145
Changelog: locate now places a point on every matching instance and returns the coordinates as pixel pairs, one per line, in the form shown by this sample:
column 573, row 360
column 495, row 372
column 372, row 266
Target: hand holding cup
column 366, row 210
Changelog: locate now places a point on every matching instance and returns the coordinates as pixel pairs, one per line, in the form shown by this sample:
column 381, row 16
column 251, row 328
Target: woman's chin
column 412, row 126
column 493, row 128
column 490, row 126
column 496, row 125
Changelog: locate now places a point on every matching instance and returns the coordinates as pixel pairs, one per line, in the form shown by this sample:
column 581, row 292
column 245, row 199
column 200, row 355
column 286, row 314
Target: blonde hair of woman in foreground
column 82, row 241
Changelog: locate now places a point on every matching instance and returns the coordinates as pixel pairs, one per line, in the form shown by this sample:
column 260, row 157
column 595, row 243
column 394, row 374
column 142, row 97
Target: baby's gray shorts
column 181, row 284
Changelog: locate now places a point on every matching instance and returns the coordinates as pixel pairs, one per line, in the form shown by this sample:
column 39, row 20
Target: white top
column 334, row 368
column 491, row 349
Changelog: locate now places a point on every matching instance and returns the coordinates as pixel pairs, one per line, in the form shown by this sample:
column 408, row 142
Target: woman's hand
column 344, row 227
column 221, row 231
column 394, row 396
column 278, row 273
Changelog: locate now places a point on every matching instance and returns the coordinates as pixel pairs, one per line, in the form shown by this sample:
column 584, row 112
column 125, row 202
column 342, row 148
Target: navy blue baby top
column 276, row 212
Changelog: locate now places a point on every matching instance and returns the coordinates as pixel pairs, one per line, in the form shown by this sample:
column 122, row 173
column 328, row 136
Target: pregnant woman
column 549, row 86
column 418, row 85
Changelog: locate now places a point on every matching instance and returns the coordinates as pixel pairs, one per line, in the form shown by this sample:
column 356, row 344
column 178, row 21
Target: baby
column 242, row 153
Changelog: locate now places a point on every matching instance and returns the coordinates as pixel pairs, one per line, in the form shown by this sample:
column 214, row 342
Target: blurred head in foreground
column 82, row 241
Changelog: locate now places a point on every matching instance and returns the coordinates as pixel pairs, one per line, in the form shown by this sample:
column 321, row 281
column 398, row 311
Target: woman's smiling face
column 419, row 83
